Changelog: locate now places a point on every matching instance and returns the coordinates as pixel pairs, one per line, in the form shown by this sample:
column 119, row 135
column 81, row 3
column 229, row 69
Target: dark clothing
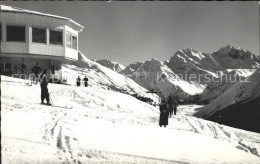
column 45, row 94
column 175, row 105
column 23, row 68
column 86, row 81
column 175, row 110
column 164, row 114
column 36, row 69
column 170, row 107
column 78, row 81
column 16, row 69
column 44, row 88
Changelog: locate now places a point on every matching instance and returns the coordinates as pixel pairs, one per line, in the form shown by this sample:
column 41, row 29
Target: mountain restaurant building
column 30, row 37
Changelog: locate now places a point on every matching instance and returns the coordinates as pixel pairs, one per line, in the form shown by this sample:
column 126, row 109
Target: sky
column 128, row 32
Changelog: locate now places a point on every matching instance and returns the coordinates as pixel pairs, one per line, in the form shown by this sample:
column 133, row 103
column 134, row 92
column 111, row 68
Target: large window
column 6, row 67
column 74, row 42
column 38, row 35
column 55, row 37
column 68, row 39
column 15, row 33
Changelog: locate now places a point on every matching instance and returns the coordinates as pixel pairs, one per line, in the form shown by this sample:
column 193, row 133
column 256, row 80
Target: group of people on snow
column 78, row 81
column 167, row 107
column 36, row 70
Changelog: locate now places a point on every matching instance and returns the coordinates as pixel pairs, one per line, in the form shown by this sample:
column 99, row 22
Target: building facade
column 30, row 37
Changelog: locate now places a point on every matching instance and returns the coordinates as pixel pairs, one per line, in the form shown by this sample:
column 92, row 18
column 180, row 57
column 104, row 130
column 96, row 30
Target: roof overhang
column 11, row 9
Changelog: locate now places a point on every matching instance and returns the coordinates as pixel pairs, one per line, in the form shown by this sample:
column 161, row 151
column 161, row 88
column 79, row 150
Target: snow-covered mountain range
column 189, row 71
column 112, row 65
column 156, row 75
column 108, row 124
column 131, row 68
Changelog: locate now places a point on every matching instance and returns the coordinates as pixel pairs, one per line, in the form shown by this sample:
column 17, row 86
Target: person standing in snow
column 164, row 114
column 78, row 81
column 85, row 81
column 170, row 106
column 44, row 88
column 175, row 105
column 36, row 70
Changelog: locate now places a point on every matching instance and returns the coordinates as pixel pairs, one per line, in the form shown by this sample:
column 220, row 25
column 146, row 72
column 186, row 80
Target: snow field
column 106, row 121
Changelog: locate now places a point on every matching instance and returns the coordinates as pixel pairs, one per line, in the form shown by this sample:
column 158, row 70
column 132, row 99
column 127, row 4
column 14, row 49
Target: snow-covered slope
column 220, row 84
column 102, row 77
column 111, row 65
column 131, row 68
column 110, row 127
column 154, row 74
column 239, row 104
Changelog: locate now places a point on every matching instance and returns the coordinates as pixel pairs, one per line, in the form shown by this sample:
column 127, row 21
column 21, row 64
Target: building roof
column 5, row 8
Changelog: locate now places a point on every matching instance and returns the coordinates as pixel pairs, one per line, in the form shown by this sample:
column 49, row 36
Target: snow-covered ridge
column 154, row 74
column 112, row 65
column 239, row 93
column 231, row 57
column 131, row 68
column 222, row 83
column 189, row 62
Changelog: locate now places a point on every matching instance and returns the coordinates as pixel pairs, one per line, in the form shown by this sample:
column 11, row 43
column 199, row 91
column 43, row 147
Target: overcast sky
column 127, row 32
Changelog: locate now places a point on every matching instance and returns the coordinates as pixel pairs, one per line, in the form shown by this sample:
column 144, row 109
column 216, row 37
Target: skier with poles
column 44, row 88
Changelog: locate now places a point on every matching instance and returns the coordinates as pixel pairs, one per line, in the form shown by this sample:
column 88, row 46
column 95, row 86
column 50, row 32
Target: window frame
column 71, row 40
column 76, row 42
column 67, row 32
column 16, row 25
column 46, row 39
column 57, row 30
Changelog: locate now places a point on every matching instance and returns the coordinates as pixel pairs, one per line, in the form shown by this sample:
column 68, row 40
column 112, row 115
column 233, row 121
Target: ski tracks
column 58, row 133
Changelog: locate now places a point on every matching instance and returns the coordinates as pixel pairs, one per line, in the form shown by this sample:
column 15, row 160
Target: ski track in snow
column 30, row 128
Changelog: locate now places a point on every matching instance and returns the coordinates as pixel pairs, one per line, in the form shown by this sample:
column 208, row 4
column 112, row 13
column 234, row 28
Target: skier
column 170, row 106
column 44, row 88
column 85, row 81
column 36, row 70
column 78, row 81
column 164, row 113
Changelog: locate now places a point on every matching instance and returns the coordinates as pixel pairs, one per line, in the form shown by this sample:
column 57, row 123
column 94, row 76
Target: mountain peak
column 111, row 65
column 236, row 52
